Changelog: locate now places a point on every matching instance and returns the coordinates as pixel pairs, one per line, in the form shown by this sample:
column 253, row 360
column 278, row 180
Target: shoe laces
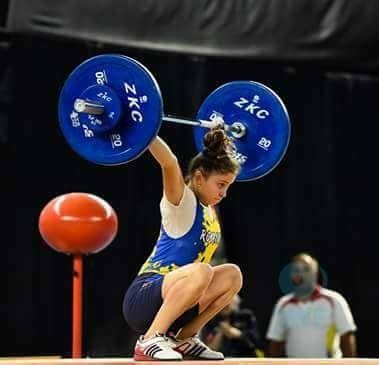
column 198, row 341
column 164, row 344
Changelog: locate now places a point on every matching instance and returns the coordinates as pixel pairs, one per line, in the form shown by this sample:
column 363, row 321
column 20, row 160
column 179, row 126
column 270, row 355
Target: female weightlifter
column 176, row 291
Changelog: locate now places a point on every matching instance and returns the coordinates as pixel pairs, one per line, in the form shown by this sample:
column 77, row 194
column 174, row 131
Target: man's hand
column 275, row 349
column 348, row 345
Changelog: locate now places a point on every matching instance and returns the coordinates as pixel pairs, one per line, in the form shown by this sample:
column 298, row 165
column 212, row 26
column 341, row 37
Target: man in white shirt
column 311, row 322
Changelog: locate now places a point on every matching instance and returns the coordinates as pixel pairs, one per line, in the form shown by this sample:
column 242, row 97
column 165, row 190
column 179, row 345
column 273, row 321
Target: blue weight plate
column 140, row 119
column 263, row 114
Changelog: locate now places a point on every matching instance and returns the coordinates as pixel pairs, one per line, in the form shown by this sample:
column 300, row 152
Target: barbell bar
column 110, row 109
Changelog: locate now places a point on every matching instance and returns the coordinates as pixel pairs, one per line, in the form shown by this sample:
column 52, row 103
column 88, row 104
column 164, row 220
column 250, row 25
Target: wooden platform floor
column 231, row 361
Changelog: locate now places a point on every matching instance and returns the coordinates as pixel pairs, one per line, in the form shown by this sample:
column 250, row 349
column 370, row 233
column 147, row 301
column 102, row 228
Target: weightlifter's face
column 213, row 189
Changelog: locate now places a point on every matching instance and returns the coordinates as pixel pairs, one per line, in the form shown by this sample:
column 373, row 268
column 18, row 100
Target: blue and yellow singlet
column 197, row 245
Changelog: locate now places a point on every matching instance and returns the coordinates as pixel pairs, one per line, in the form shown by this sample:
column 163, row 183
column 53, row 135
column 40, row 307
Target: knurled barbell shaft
column 217, row 122
column 237, row 129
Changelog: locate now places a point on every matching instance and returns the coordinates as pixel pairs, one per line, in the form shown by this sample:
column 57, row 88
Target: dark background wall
column 319, row 199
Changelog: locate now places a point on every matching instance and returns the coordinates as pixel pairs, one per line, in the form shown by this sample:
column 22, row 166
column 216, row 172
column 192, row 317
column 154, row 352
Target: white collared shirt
column 312, row 328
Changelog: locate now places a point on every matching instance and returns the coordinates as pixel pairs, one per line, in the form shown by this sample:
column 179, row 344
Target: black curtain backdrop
column 3, row 14
column 342, row 32
column 319, row 199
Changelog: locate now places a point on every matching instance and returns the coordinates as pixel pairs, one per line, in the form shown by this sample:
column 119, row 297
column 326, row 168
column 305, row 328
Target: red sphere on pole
column 78, row 223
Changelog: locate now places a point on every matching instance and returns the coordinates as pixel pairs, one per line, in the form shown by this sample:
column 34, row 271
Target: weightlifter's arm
column 173, row 181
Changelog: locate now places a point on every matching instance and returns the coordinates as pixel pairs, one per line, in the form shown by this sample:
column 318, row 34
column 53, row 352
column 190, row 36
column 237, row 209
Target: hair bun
column 216, row 143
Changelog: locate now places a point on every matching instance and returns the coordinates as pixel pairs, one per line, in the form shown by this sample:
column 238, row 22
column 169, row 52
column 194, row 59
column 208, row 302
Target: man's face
column 302, row 273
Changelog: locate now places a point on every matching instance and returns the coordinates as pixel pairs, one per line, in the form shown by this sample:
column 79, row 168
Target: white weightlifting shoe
column 158, row 347
column 193, row 348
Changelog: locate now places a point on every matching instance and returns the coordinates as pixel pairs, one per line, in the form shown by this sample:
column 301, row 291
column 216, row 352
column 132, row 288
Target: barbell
column 110, row 109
